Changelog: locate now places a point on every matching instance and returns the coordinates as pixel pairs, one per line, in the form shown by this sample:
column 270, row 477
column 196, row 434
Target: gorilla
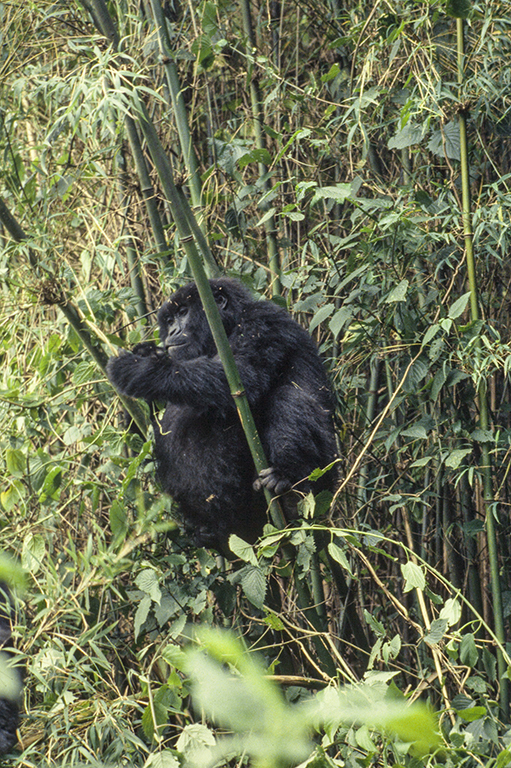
column 203, row 460
column 10, row 675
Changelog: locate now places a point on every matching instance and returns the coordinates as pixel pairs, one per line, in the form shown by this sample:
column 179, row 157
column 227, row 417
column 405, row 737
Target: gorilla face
column 184, row 332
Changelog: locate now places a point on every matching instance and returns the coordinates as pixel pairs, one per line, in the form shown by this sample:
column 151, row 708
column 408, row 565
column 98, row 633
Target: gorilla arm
column 200, row 382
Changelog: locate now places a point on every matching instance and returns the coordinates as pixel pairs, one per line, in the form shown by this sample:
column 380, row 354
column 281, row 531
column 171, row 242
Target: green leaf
column 451, row 611
column 51, row 486
column 255, row 156
column 459, row 306
column 413, row 576
column 337, row 554
column 16, row 462
column 244, row 551
column 503, row 759
column 409, row 135
column 416, row 431
column 164, row 759
column 118, row 520
column 455, row 457
column 472, row 713
column 469, row 654
column 85, row 372
column 141, row 614
column 12, row 495
column 398, row 293
column 430, row 334
column 338, row 192
column 339, row 320
column 482, row 436
column 147, row 581
column 253, row 583
column 438, row 383
column 446, row 142
column 196, row 742
column 321, row 315
column 269, row 213
column 33, row 552
column 436, row 632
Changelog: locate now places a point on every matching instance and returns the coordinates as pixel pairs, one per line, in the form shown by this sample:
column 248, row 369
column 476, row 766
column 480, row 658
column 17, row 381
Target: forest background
column 351, row 161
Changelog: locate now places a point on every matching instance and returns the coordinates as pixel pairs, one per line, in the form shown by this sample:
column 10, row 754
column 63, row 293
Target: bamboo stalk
column 257, row 121
column 484, row 422
column 178, row 105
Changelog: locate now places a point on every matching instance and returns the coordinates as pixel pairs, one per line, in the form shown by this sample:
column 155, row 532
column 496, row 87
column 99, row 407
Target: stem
column 178, row 105
column 257, row 118
column 484, row 421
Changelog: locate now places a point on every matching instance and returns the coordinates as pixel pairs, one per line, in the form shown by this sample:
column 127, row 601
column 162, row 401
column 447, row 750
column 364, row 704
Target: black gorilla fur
column 9, row 699
column 202, row 455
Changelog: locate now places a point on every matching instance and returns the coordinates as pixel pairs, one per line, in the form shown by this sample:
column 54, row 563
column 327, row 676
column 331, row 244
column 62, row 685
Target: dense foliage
column 321, row 147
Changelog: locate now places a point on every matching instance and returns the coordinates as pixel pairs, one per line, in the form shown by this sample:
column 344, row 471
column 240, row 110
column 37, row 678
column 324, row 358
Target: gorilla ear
column 221, row 300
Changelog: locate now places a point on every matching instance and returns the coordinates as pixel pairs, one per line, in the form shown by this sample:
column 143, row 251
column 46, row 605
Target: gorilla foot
column 273, row 480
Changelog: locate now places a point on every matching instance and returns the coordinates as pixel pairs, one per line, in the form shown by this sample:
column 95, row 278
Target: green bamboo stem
column 484, row 421
column 178, row 105
column 182, row 212
column 146, row 187
column 104, row 23
column 131, row 252
column 257, row 118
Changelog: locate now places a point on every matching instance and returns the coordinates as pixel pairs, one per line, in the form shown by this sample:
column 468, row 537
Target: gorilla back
column 202, row 454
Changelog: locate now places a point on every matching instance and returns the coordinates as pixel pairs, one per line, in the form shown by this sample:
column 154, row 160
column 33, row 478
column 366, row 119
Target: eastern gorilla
column 202, row 454
column 12, row 676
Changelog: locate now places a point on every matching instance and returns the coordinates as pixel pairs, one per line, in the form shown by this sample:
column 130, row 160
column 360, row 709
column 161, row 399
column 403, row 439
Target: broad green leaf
column 416, row 431
column 255, row 156
column 337, row 554
column 118, row 520
column 340, row 318
column 455, row 457
column 413, row 576
column 430, row 334
column 407, row 136
column 451, row 611
column 16, row 462
column 482, row 436
column 321, row 315
column 12, row 495
column 338, row 192
column 472, row 713
column 147, row 581
column 85, row 372
column 436, row 632
column 241, row 549
column 141, row 614
column 459, row 306
column 253, row 583
column 446, row 141
column 398, row 293
column 469, row 654
column 163, row 759
column 33, row 552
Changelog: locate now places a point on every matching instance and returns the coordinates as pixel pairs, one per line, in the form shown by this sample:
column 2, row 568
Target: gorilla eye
column 182, row 311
